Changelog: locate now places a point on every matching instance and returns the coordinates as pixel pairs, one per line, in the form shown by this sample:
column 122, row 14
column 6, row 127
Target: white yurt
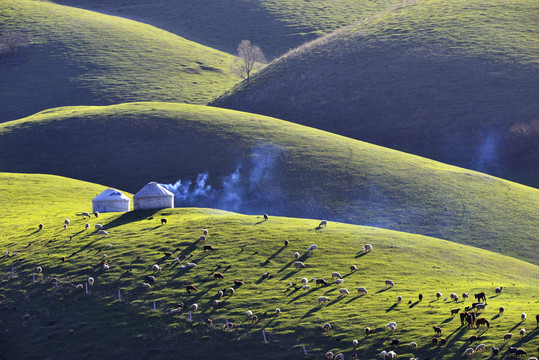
column 153, row 196
column 111, row 200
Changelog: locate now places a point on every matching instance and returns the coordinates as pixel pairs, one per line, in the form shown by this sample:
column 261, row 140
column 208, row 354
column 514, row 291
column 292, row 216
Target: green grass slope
column 441, row 79
column 262, row 165
column 41, row 320
column 78, row 57
column 275, row 25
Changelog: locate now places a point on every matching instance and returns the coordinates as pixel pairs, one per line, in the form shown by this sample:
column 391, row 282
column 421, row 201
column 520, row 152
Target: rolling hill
column 442, row 79
column 78, row 57
column 254, row 164
column 45, row 319
column 275, row 25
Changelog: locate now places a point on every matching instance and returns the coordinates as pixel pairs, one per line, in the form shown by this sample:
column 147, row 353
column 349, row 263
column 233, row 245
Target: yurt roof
column 110, row 194
column 153, row 189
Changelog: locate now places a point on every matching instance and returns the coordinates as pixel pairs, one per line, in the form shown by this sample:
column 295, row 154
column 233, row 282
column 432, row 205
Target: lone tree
column 250, row 59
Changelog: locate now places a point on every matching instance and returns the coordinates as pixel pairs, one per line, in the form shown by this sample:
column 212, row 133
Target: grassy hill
column 275, row 25
column 442, row 79
column 78, row 57
column 257, row 165
column 45, row 321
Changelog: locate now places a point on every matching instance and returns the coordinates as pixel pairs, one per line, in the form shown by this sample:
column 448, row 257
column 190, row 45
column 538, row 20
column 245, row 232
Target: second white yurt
column 111, row 200
column 153, row 196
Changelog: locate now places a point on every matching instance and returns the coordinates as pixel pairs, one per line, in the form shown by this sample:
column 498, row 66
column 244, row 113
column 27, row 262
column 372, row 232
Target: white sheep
column 312, row 247
column 67, row 222
column 454, row 296
column 146, row 285
column 98, row 227
column 299, row 265
column 501, row 309
column 329, row 355
column 102, row 232
column 391, row 355
column 323, row 299
column 383, row 354
column 65, row 226
column 481, row 306
column 304, row 281
column 399, row 298
column 392, row 326
column 339, row 281
column 84, row 214
column 105, row 266
column 355, row 343
column 305, row 287
column 523, row 316
column 326, row 327
column 361, row 290
column 191, row 265
column 469, row 352
column 156, row 268
column 339, row 356
column 438, row 294
column 480, row 347
column 344, row 291
column 205, row 232
column 368, row 247
column 278, row 312
column 39, row 269
column 194, row 307
column 249, row 313
column 389, row 283
column 336, row 275
column 323, row 223
column 413, row 345
column 296, row 255
column 216, row 303
column 522, row 332
column 91, row 281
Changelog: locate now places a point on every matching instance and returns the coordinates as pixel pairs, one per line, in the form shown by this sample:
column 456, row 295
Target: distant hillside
column 275, row 25
column 45, row 321
column 77, row 57
column 254, row 164
column 442, row 79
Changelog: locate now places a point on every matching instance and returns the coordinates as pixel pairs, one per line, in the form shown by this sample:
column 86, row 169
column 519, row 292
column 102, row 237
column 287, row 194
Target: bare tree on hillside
column 10, row 43
column 250, row 59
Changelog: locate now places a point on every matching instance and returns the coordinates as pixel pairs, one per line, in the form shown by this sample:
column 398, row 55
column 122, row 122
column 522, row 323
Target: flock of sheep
column 469, row 317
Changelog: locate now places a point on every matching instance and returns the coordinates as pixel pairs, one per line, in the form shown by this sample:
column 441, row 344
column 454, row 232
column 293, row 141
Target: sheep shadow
column 129, row 217
column 286, row 266
column 495, row 317
column 354, row 298
column 301, row 295
column 392, row 307
column 347, row 275
column 290, row 274
column 449, row 319
column 260, row 222
column 330, row 291
column 277, row 253
column 382, row 290
column 360, row 254
column 414, row 304
column 311, row 312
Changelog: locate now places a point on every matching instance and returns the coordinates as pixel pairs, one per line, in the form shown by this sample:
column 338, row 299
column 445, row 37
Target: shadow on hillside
column 302, row 295
column 290, row 274
column 382, row 290
column 414, row 304
column 130, row 217
column 347, row 275
column 354, row 298
column 276, row 253
column 360, row 254
column 392, row 307
column 495, row 317
column 449, row 319
column 260, row 222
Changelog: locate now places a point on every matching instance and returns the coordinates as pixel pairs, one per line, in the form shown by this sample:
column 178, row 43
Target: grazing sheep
column 336, row 275
column 312, row 247
column 329, row 355
column 495, row 351
column 202, row 238
column 501, row 309
column 150, row 278
column 194, row 307
column 523, row 316
column 216, row 303
column 218, row 276
column 361, row 290
column 145, row 285
column 65, row 226
column 353, row 268
column 481, row 306
column 208, row 247
column 367, row 330
column 520, row 352
column 96, row 214
column 443, row 341
column 392, row 326
column 266, row 217
column 286, row 242
column 79, row 287
column 67, row 222
column 339, row 281
column 399, row 299
column 299, row 265
column 368, row 247
column 454, row 311
column 254, row 319
column 434, row 341
column 480, row 347
column 98, row 227
column 190, row 288
column 168, row 253
column 413, row 346
column 355, row 343
column 266, row 276
column 39, row 270
column 437, row 330
column 321, row 282
column 323, row 300
column 391, row 355
column 238, row 282
column 85, row 214
column 205, row 232
column 469, row 352
column 220, row 294
column 498, row 290
column 395, row 342
column 344, row 291
column 481, row 322
column 323, row 223
column 91, row 281
column 339, row 356
column 507, row 336
column 156, row 268
column 389, row 283
column 163, row 221
column 278, row 312
column 296, row 255
column 190, row 265
column 86, row 226
column 438, row 295
column 454, row 296
column 473, row 338
column 102, row 232
column 40, row 226
column 304, row 281
column 232, row 291
column 465, row 295
column 420, row 297
column 326, row 327
column 305, row 287
column 522, row 332
column 105, row 266
column 383, row 354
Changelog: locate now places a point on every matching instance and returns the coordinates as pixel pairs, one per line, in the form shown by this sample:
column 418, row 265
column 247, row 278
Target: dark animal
column 437, row 330
column 395, row 342
column 463, row 317
column 537, row 319
column 321, row 282
column 353, row 268
column 63, row 258
column 218, row 276
column 286, row 242
column 434, row 341
column 190, row 288
column 209, row 322
column 163, row 221
column 238, row 283
column 480, row 296
column 266, row 275
column 443, row 341
column 96, row 214
column 495, row 351
column 203, row 238
column 512, row 350
column 521, row 352
column 254, row 319
column 150, row 278
column 465, row 295
column 498, row 290
column 454, row 312
column 168, row 253
column 482, row 321
column 474, row 338
column 40, row 226
column 507, row 336
column 150, row 218
column 266, row 216
column 208, row 247
column 420, row 297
